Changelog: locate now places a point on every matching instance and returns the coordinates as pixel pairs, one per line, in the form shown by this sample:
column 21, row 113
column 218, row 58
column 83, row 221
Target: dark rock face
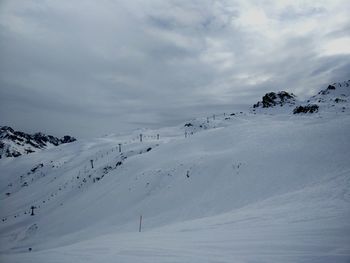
column 10, row 140
column 338, row 100
column 40, row 165
column 272, row 99
column 311, row 108
column 327, row 90
column 269, row 99
column 67, row 139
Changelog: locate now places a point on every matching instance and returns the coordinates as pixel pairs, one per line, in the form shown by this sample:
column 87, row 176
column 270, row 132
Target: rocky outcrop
column 273, row 99
column 312, row 108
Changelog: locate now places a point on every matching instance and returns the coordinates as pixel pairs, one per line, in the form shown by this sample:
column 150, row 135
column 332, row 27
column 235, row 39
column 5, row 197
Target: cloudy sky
column 88, row 68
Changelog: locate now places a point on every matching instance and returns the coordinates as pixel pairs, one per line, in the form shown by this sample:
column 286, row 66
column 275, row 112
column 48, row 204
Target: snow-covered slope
column 230, row 188
column 16, row 143
column 333, row 98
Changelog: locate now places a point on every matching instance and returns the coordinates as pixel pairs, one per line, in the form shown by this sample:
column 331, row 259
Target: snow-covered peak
column 333, row 98
column 16, row 143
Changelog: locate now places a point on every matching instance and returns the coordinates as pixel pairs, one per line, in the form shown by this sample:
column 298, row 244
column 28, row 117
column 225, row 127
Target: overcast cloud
column 93, row 67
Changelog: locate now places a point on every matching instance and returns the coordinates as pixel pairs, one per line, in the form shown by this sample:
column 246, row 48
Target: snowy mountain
column 333, row 98
column 16, row 143
column 233, row 187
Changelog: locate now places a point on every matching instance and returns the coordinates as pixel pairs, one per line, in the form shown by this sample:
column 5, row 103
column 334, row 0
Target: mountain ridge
column 334, row 97
column 16, row 143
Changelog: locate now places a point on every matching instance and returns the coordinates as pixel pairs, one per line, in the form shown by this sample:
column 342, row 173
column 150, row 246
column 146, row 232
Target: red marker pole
column 140, row 223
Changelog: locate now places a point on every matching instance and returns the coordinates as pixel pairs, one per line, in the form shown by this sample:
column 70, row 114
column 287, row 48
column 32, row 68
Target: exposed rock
column 311, row 108
column 327, row 90
column 338, row 100
column 67, row 139
column 273, row 99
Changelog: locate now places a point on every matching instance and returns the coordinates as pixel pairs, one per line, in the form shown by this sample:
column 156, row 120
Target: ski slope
column 240, row 188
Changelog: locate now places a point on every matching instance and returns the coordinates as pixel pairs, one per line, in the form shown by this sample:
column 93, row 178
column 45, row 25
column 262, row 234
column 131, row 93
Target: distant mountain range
column 16, row 143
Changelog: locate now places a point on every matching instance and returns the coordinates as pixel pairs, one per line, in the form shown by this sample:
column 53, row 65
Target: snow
column 260, row 188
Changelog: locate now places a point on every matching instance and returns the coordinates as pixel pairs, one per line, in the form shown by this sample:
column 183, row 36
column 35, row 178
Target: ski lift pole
column 140, row 223
column 32, row 207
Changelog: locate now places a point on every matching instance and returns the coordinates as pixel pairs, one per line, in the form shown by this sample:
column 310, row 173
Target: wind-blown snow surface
column 259, row 188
